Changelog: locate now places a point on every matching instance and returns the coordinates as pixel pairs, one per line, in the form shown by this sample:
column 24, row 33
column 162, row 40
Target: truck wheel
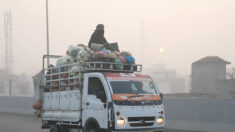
column 55, row 128
column 91, row 127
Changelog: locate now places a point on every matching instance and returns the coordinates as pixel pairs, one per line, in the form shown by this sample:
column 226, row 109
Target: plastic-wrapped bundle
column 87, row 49
column 73, row 50
column 125, row 53
column 83, row 56
column 82, row 45
column 116, row 53
column 37, row 105
column 118, row 66
column 106, row 51
column 99, row 54
column 97, row 47
column 130, row 60
column 84, row 53
column 64, row 60
column 123, row 59
column 111, row 55
column 75, row 70
column 126, row 58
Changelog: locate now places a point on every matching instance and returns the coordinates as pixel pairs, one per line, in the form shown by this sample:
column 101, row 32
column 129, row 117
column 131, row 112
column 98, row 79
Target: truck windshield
column 133, row 87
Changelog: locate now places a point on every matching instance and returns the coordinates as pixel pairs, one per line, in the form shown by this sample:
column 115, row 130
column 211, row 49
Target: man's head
column 100, row 27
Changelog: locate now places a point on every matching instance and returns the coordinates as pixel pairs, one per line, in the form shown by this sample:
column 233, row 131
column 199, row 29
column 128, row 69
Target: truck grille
column 141, row 121
column 140, row 124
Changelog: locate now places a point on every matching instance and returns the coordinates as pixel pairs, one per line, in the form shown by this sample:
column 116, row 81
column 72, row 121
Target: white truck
column 95, row 96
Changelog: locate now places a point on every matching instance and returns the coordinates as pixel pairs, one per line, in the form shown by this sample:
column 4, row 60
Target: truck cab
column 121, row 101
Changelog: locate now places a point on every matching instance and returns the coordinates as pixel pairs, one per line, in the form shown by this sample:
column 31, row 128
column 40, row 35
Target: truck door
column 95, row 100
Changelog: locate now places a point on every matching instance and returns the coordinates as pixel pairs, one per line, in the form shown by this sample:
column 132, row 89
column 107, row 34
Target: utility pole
column 142, row 41
column 8, row 48
column 47, row 33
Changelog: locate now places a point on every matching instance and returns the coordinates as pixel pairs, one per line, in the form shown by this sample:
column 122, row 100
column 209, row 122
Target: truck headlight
column 121, row 121
column 160, row 120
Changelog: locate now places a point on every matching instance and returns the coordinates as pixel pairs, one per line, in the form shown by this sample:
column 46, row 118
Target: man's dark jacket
column 98, row 38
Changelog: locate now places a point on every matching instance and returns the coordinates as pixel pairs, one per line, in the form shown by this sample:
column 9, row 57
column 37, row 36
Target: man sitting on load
column 98, row 36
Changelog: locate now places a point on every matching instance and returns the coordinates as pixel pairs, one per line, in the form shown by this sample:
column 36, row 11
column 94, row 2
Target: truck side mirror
column 161, row 95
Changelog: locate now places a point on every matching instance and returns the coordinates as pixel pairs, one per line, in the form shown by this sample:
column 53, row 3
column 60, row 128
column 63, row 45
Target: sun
column 161, row 50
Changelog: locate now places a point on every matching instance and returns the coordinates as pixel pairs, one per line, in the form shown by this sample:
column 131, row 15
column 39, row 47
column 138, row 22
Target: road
column 187, row 113
column 26, row 123
column 19, row 123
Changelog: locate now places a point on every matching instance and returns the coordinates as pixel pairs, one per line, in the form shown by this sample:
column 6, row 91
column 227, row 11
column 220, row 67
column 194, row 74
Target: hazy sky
column 186, row 29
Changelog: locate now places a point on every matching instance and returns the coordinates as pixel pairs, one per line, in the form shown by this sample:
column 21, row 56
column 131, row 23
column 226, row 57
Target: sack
column 83, row 56
column 112, row 46
column 116, row 53
column 73, row 50
column 99, row 54
column 123, row 59
column 106, row 51
column 118, row 66
column 37, row 105
column 75, row 70
column 64, row 60
column 96, row 47
column 130, row 60
column 78, row 53
column 111, row 55
column 125, row 53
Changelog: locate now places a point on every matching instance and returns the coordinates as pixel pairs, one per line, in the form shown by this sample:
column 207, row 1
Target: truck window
column 95, row 87
column 133, row 87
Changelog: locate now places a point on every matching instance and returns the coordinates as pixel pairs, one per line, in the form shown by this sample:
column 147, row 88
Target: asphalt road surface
column 19, row 123
column 26, row 123
column 187, row 113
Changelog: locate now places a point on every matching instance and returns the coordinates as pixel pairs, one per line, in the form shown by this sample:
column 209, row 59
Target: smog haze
column 175, row 33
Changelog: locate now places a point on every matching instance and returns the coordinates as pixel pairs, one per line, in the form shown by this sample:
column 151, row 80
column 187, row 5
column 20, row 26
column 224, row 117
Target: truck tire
column 91, row 127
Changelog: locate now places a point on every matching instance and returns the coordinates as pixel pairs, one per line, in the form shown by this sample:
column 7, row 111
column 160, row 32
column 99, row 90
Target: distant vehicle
column 95, row 96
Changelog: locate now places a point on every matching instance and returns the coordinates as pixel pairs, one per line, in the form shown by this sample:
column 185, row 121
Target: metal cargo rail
column 70, row 76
